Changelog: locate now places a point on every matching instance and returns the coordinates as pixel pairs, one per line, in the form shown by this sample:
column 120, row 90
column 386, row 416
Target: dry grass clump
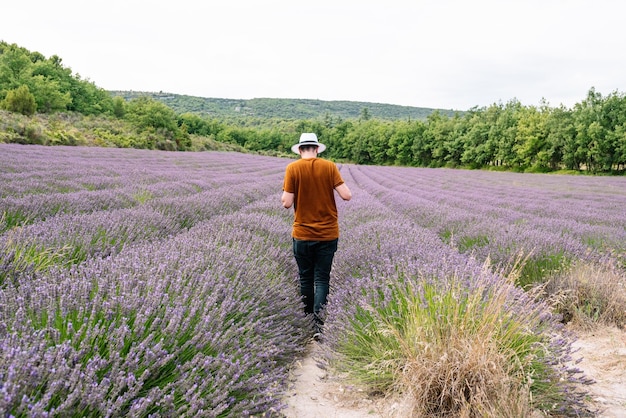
column 469, row 377
column 460, row 349
column 589, row 294
column 467, row 356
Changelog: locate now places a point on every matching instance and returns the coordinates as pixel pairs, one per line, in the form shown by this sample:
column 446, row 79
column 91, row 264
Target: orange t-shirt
column 313, row 182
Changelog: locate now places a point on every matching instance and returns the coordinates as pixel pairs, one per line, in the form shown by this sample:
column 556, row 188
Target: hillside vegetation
column 269, row 108
column 46, row 104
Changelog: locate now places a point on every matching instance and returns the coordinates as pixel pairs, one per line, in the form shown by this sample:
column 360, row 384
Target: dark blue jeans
column 314, row 259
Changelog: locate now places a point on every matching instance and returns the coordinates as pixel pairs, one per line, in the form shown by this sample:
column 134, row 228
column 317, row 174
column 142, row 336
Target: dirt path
column 317, row 393
column 604, row 360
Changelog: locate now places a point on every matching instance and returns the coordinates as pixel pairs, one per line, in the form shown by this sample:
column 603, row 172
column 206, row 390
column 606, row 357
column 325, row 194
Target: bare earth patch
column 316, row 392
column 603, row 351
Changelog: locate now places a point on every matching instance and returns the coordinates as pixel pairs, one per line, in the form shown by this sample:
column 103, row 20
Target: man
column 309, row 187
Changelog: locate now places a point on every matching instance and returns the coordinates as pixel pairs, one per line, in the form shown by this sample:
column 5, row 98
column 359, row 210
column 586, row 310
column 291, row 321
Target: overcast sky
column 449, row 54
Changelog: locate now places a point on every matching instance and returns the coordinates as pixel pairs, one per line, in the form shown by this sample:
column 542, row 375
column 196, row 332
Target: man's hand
column 344, row 191
column 287, row 200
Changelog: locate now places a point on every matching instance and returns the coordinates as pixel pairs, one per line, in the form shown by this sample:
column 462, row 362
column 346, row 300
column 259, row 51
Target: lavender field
column 146, row 283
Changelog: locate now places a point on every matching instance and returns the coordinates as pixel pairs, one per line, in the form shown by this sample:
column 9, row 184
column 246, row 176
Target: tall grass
column 19, row 259
column 589, row 294
column 453, row 349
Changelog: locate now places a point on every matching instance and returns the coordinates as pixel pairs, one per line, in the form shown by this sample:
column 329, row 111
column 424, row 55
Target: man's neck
column 308, row 154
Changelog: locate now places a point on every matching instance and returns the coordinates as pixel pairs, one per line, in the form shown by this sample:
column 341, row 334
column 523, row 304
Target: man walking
column 309, row 186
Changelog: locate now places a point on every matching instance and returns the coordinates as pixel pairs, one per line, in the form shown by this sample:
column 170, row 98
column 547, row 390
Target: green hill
column 284, row 108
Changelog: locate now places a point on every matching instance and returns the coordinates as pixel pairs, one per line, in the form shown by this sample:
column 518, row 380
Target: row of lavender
column 144, row 284
column 551, row 220
column 151, row 283
column 38, row 184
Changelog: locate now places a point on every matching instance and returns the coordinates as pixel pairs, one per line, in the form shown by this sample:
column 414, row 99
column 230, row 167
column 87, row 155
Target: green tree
column 401, row 142
column 472, row 144
column 439, row 133
column 48, row 95
column 154, row 117
column 119, row 107
column 337, row 143
column 619, row 136
column 559, row 133
column 20, row 100
column 149, row 113
column 16, row 68
column 531, row 139
column 369, row 143
column 588, row 130
column 492, row 116
column 53, row 85
column 89, row 99
column 506, row 131
column 421, row 147
column 612, row 117
column 365, row 114
column 53, row 69
column 244, row 137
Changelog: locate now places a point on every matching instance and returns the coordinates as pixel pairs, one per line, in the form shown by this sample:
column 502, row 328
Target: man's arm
column 344, row 191
column 287, row 199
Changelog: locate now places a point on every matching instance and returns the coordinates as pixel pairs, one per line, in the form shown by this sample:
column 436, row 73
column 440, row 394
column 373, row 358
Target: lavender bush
column 144, row 283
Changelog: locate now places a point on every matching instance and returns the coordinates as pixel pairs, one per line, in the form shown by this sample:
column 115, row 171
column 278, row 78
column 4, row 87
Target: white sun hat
column 308, row 138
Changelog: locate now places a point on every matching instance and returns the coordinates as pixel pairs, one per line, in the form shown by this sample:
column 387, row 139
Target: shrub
column 20, row 100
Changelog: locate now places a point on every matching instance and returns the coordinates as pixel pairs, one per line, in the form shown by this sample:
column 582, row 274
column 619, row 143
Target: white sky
column 450, row 54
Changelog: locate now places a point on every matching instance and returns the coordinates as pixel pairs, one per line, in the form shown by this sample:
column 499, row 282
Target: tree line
column 590, row 136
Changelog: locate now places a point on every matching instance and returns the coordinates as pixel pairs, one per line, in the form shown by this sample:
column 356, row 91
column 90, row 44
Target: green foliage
column 291, row 109
column 15, row 66
column 119, row 107
column 89, row 99
column 12, row 219
column 159, row 121
column 203, row 143
column 48, row 94
column 148, row 113
column 17, row 128
column 538, row 269
column 466, row 243
column 59, row 132
column 31, row 258
column 103, row 131
column 52, row 85
column 20, row 100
